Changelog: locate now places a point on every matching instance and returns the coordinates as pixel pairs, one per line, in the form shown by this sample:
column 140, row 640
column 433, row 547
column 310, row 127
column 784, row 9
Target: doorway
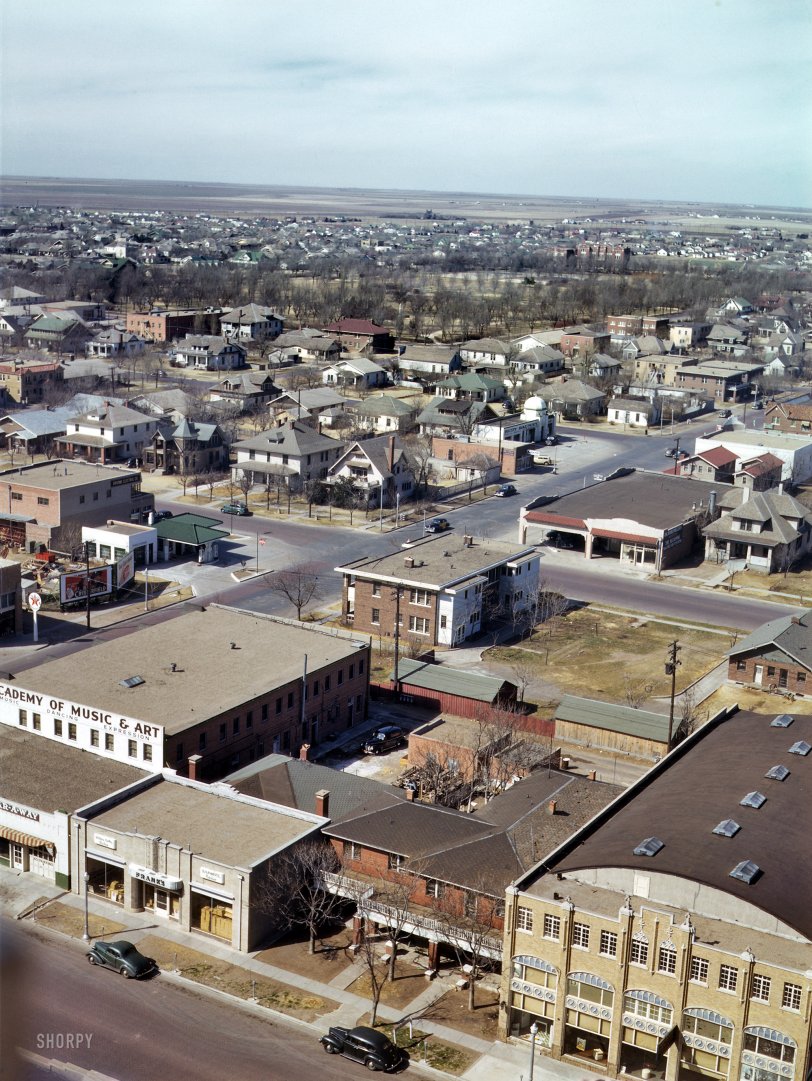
column 758, row 674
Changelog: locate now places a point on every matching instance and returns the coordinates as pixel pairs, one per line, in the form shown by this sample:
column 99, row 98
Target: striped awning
column 17, row 837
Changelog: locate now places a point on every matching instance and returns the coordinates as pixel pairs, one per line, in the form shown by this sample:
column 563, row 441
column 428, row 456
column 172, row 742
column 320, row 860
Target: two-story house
column 109, row 433
column 251, row 323
column 210, row 352
column 379, row 470
column 295, row 453
column 189, row 448
column 769, row 530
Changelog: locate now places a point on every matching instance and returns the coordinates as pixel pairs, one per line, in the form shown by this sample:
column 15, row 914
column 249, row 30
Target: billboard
column 74, row 586
column 125, row 569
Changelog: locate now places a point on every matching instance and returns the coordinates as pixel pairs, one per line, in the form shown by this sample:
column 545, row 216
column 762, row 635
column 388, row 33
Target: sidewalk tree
column 473, row 928
column 294, row 890
column 299, row 585
column 391, row 904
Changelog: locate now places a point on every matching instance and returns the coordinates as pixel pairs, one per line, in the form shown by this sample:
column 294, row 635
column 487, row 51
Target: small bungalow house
column 384, row 413
column 361, row 373
column 777, row 655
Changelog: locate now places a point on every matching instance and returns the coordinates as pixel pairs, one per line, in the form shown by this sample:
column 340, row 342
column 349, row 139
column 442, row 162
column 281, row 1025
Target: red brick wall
column 386, row 604
column 797, row 679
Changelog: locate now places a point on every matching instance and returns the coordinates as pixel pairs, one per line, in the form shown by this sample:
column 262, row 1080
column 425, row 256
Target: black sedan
column 363, row 1044
column 122, row 957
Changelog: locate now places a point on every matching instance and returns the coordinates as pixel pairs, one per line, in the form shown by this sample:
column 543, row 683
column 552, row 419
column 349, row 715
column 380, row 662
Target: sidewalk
column 496, row 1062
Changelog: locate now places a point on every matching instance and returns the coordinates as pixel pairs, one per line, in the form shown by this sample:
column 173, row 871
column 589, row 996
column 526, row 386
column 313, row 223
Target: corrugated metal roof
column 612, row 718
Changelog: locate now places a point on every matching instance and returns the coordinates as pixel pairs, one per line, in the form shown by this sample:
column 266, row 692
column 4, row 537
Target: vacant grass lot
column 612, row 656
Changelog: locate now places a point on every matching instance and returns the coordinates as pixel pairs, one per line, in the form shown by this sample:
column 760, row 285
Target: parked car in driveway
column 505, row 490
column 363, row 1044
column 121, row 957
column 438, row 525
column 385, row 738
column 238, row 509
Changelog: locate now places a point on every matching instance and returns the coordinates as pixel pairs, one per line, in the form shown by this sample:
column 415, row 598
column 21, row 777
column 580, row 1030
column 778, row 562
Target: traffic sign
column 34, row 601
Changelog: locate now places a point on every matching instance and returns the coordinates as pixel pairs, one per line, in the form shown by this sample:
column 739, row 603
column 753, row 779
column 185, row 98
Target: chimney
column 591, row 775
column 391, row 453
column 304, row 751
column 551, row 807
column 712, row 503
column 323, row 803
column 410, row 794
column 408, row 561
column 745, row 494
column 193, row 761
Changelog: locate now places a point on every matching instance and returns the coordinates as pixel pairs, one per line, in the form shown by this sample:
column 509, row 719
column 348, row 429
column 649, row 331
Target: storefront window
column 106, row 880
column 590, row 1000
column 767, row 1054
column 707, row 1039
column 213, row 915
column 533, row 996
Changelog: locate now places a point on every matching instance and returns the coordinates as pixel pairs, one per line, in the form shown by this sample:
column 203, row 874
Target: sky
column 704, row 100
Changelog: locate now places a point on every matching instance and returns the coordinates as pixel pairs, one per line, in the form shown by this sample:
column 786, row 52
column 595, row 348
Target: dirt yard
column 619, row 657
column 331, row 956
column 71, row 921
column 409, row 982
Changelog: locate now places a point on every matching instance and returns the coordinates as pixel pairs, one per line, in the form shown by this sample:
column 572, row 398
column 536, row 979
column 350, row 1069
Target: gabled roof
column 445, row 680
column 361, row 365
column 248, row 314
column 613, row 718
column 355, row 326
column 486, row 345
column 294, row 438
column 790, row 634
column 376, row 451
column 384, row 405
column 190, row 529
column 571, row 390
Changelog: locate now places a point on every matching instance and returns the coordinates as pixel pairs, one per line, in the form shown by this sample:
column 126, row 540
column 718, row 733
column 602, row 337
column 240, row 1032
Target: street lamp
column 533, row 1033
column 86, row 933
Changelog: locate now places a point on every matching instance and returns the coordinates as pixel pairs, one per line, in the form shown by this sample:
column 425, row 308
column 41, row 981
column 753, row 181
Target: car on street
column 505, row 490
column 676, row 452
column 725, row 413
column 121, row 957
column 161, row 515
column 363, row 1044
column 239, row 509
column 387, row 737
column 551, row 440
column 438, row 525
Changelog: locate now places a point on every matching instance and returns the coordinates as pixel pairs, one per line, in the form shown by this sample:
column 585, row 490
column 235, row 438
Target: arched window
column 648, row 1005
column 706, row 1040
column 767, row 1054
column 667, row 958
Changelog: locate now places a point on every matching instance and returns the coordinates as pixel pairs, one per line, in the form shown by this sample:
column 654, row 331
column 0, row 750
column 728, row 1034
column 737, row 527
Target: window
column 638, row 954
column 16, row 495
column 419, row 596
column 132, row 748
column 524, row 919
column 361, row 666
column 23, row 718
column 760, row 1042
column 202, row 741
column 264, row 714
column 434, row 888
column 71, row 731
column 147, row 752
column 315, row 687
column 741, row 666
column 699, row 970
column 109, row 741
column 580, row 935
column 608, row 945
column 667, row 959
column 42, row 501
column 340, row 676
column 235, row 727
column 36, row 722
column 395, row 862
column 352, row 672
column 327, row 683
column 728, row 977
column 376, row 589
column 290, row 699
column 376, row 615
column 94, row 737
column 760, row 991
column 278, row 708
column 791, row 997
column 352, row 851
column 552, row 926
column 418, row 625
column 249, row 719
column 223, row 732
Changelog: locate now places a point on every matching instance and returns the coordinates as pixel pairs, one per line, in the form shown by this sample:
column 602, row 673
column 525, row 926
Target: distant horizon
column 291, row 189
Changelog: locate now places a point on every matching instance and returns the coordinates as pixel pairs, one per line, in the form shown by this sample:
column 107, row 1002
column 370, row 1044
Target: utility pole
column 397, row 641
column 671, row 670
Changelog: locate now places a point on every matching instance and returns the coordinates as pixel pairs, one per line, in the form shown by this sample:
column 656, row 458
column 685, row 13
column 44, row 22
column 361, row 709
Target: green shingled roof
column 436, row 677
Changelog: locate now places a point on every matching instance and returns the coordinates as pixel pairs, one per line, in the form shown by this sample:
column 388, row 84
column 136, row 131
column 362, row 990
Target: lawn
column 615, row 655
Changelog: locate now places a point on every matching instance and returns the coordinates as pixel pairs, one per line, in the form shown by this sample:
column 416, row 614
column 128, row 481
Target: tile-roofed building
column 759, row 473
column 716, row 463
column 687, row 893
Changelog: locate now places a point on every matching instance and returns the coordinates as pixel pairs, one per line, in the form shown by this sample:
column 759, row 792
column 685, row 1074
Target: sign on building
column 125, row 569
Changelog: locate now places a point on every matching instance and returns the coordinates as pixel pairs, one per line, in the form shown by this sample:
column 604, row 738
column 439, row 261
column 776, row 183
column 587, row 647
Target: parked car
column 375, row 1050
column 438, row 525
column 506, row 489
column 239, row 509
column 122, row 957
column 161, row 515
column 551, row 440
column 676, row 452
column 385, row 738
column 758, row 403
column 725, row 413
column 560, row 540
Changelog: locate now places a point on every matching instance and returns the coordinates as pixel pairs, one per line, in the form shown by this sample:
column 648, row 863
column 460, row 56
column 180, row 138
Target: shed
column 460, row 693
column 613, row 728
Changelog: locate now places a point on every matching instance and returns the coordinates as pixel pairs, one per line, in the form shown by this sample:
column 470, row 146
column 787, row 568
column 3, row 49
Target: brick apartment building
column 624, row 326
column 165, row 324
column 513, row 457
column 438, row 590
column 25, row 382
column 45, row 505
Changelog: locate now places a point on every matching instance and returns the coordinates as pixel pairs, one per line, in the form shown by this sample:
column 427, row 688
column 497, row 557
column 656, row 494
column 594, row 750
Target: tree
column 294, row 887
column 473, row 928
column 299, row 585
column 481, row 464
column 419, row 449
column 245, row 483
column 391, row 904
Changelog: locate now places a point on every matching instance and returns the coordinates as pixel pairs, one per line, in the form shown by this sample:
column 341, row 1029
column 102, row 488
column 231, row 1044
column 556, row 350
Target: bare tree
column 419, row 450
column 245, row 483
column 377, row 970
column 473, row 927
column 391, row 905
column 294, row 887
column 479, row 464
column 299, row 585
